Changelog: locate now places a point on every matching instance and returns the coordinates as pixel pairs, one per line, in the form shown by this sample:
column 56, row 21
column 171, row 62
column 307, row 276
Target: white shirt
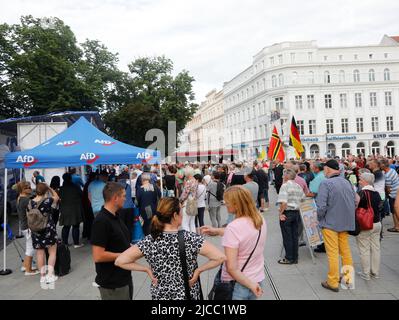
column 201, row 194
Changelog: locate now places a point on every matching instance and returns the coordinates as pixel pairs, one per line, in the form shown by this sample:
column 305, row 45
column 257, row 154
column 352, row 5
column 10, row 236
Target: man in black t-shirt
column 110, row 237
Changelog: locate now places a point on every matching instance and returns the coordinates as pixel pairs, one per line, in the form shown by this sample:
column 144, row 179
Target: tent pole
column 160, row 174
column 5, row 271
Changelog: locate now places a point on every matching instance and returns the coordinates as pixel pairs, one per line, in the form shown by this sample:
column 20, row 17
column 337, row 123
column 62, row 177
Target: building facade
column 205, row 131
column 345, row 99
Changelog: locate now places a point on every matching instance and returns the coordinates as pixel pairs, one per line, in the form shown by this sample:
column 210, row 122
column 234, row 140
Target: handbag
column 183, row 261
column 365, row 216
column 223, row 290
column 192, row 204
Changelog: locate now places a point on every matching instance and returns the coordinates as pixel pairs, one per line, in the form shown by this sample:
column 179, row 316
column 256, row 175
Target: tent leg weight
column 5, row 272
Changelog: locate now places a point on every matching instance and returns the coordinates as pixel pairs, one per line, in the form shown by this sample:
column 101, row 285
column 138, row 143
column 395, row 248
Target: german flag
column 276, row 150
column 295, row 139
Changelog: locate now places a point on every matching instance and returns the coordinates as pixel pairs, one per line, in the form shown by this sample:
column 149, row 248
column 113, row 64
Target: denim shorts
column 243, row 293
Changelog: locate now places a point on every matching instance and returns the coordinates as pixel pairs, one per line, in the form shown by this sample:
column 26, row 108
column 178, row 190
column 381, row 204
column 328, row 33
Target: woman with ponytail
column 161, row 250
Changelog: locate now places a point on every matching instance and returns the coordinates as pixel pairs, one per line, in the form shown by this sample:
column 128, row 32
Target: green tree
column 44, row 69
column 155, row 97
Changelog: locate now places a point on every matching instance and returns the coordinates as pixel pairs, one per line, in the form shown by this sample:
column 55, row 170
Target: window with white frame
column 253, row 112
column 248, row 114
column 325, row 58
column 345, row 125
column 370, row 56
column 358, row 100
column 327, row 77
column 343, row 100
column 340, row 57
column 341, row 76
column 264, row 84
column 271, row 61
column 385, row 55
column 280, row 80
column 355, row 56
column 371, row 75
column 374, row 124
column 359, row 125
column 373, row 99
column 312, row 126
column 279, row 103
column 311, row 77
column 257, row 86
column 298, row 102
column 300, row 126
column 356, row 76
column 274, row 81
column 388, row 98
column 330, row 125
column 310, row 98
column 280, row 59
column 387, row 75
column 310, row 56
column 328, row 101
column 390, row 123
column 295, row 78
column 292, row 57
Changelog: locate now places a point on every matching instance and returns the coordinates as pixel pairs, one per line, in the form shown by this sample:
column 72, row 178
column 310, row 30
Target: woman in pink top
column 239, row 239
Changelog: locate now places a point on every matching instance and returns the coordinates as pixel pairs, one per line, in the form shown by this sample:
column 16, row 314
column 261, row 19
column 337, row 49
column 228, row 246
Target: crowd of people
column 128, row 214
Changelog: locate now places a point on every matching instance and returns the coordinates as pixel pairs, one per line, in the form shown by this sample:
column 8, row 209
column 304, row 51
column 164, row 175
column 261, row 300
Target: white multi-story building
column 345, row 99
column 205, row 131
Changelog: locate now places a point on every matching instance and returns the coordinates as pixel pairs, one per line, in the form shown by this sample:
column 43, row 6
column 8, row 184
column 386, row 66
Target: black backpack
column 219, row 191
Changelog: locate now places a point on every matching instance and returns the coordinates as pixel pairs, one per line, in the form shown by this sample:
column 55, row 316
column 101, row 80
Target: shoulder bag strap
column 249, row 258
column 183, row 261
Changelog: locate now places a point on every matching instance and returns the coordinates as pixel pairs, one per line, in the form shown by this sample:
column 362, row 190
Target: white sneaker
column 23, row 269
column 364, row 276
column 95, row 285
column 51, row 279
column 78, row 246
column 33, row 273
column 375, row 276
column 43, row 282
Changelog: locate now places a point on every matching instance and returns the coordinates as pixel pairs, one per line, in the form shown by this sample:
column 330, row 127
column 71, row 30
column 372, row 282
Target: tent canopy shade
column 81, row 144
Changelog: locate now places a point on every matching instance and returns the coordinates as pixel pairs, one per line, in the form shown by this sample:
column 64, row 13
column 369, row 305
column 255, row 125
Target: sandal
column 285, row 261
column 392, row 230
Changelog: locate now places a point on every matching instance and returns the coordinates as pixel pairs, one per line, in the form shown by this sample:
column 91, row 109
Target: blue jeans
column 243, row 293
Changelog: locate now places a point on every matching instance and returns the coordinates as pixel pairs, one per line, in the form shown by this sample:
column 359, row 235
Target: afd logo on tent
column 67, row 143
column 144, row 156
column 28, row 161
column 89, row 157
column 105, row 143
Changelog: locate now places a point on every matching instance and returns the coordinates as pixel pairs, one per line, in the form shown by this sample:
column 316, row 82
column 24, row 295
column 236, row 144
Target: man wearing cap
column 336, row 205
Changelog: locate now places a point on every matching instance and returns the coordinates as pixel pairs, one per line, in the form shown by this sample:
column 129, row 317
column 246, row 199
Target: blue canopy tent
column 80, row 144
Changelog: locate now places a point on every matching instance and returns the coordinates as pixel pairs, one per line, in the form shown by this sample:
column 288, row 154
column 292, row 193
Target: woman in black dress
column 47, row 238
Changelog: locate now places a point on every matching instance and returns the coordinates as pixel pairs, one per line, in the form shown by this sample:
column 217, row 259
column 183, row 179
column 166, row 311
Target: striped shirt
column 392, row 181
column 292, row 194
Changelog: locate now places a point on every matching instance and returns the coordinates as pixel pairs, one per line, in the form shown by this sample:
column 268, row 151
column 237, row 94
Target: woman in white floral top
column 190, row 188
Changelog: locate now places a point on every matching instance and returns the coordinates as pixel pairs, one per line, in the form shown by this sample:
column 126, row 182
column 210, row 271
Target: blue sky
column 216, row 39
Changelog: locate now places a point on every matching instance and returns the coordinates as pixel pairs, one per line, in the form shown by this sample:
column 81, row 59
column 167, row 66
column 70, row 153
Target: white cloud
column 214, row 40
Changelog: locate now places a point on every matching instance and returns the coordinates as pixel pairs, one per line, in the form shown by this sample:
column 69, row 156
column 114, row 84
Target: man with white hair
column 290, row 196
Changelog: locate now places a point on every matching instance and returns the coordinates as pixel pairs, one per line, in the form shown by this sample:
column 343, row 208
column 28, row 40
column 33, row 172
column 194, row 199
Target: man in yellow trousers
column 336, row 204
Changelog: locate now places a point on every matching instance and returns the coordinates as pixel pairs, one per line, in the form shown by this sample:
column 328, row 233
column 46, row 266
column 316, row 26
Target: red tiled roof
column 396, row 38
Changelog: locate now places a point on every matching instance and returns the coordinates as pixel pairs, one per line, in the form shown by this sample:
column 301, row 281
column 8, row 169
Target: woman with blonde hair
column 161, row 250
column 189, row 192
column 147, row 196
column 244, row 243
